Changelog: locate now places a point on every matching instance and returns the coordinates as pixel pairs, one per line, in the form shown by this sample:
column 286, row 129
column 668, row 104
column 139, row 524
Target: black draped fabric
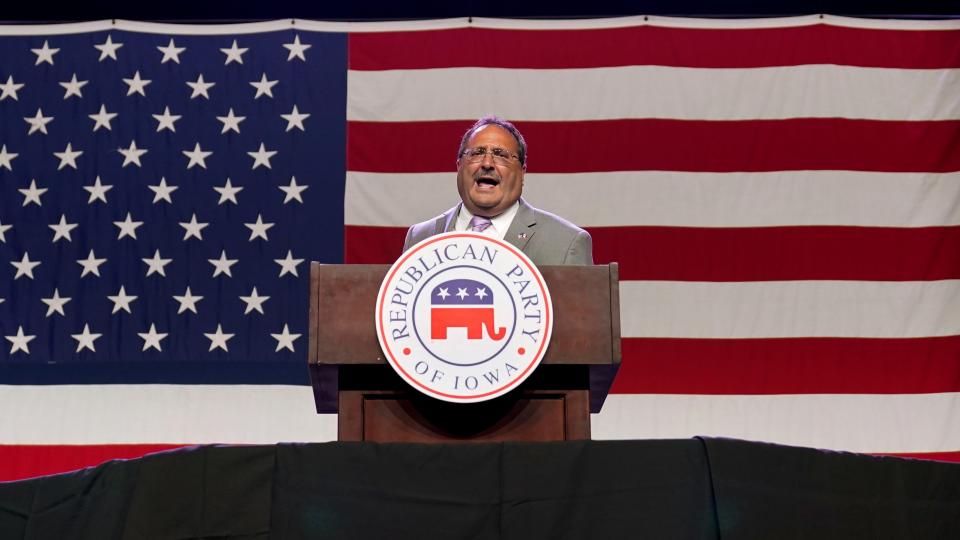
column 700, row 488
column 767, row 491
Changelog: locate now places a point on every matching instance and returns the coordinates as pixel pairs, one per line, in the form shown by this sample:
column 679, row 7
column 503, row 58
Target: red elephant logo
column 463, row 303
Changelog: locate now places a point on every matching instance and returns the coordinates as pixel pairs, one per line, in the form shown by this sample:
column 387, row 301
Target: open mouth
column 487, row 182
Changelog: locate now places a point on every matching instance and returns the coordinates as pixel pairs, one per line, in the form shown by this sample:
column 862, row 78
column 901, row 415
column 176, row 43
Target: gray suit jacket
column 546, row 238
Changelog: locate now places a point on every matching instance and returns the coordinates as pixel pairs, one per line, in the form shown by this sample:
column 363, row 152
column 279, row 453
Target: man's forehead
column 494, row 134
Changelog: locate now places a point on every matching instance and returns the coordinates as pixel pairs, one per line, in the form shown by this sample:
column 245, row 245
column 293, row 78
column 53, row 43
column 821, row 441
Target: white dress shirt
column 499, row 224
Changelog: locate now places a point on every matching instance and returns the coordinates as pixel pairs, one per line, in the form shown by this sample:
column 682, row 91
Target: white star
column 187, row 301
column 137, row 85
column 218, row 340
column 98, row 191
column 91, row 265
column 295, row 119
column 3, row 232
column 152, row 338
column 193, row 228
column 25, row 266
column 481, row 293
column 262, row 157
column 285, row 339
column 234, row 54
column 200, row 87
column 258, row 229
column 6, row 158
column 121, row 301
column 38, row 122
column 293, row 191
column 166, row 120
column 72, row 87
column 231, row 122
column 108, row 49
column 127, row 227
column 197, row 157
column 296, row 49
column 132, row 154
column 10, row 89
column 44, row 54
column 254, row 302
column 288, row 265
column 85, row 340
column 155, row 265
column 263, row 86
column 102, row 118
column 462, row 293
column 228, row 192
column 19, row 341
column 68, row 157
column 32, row 194
column 62, row 229
column 170, row 52
column 161, row 191
column 55, row 303
column 444, row 293
column 222, row 265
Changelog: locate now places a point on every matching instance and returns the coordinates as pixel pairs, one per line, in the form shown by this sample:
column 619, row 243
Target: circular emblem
column 464, row 317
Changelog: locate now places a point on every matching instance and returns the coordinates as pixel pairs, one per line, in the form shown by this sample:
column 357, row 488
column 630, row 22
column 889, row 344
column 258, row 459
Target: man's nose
column 487, row 158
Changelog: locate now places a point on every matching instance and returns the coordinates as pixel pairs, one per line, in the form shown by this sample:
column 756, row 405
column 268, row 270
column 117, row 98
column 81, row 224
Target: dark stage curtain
column 699, row 488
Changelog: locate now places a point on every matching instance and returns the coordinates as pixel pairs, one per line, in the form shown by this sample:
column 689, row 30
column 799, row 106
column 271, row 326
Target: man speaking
column 490, row 166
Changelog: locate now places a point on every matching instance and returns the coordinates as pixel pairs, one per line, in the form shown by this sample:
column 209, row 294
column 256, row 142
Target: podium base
column 398, row 416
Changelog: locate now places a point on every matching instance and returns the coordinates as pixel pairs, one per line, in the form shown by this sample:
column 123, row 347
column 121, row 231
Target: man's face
column 486, row 187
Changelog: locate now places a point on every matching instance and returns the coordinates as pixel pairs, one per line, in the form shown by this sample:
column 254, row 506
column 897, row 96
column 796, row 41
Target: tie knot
column 479, row 224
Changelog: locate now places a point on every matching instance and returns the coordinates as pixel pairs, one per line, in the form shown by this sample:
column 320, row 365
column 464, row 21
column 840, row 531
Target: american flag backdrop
column 783, row 196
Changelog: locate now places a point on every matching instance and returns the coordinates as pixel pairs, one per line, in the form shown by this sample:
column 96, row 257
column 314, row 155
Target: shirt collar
column 499, row 224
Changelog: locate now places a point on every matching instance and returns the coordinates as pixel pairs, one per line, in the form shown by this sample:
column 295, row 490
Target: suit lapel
column 447, row 221
column 524, row 226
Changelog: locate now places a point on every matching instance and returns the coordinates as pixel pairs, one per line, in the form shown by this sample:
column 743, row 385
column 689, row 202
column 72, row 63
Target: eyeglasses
column 500, row 156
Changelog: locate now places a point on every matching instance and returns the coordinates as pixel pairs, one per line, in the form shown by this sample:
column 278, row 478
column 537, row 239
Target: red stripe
column 372, row 245
column 25, row 461
column 780, row 253
column 789, row 366
column 675, row 145
column 932, row 456
column 647, row 45
column 739, row 254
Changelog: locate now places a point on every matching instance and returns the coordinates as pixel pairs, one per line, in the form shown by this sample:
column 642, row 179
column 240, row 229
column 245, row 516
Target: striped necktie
column 479, row 224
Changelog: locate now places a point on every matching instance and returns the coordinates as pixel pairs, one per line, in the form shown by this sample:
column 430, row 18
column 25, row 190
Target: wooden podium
column 351, row 377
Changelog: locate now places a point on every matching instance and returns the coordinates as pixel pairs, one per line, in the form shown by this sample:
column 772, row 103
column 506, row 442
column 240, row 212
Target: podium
column 351, row 377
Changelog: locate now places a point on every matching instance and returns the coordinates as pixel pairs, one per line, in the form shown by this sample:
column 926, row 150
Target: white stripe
column 120, row 414
column 952, row 23
column 772, row 309
column 231, row 28
column 144, row 27
column 205, row 29
column 646, row 20
column 682, row 199
column 384, row 26
column 856, row 423
column 174, row 414
column 55, row 29
column 479, row 22
column 810, row 91
column 719, row 23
